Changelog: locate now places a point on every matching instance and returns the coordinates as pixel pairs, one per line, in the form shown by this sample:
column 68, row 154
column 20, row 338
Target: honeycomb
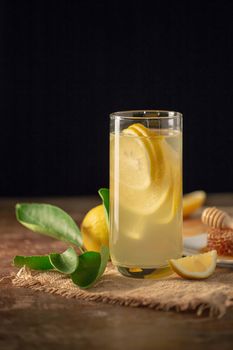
column 221, row 240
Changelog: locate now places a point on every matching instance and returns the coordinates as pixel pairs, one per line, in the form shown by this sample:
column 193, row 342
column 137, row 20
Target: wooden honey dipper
column 217, row 218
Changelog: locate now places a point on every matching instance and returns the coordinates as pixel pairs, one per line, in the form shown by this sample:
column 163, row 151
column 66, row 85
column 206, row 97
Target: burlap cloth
column 171, row 293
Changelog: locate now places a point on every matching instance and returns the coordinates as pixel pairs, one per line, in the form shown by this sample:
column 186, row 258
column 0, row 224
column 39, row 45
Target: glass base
column 152, row 273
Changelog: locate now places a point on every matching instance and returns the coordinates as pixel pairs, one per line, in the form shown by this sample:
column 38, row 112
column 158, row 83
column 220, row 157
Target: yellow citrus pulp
column 195, row 267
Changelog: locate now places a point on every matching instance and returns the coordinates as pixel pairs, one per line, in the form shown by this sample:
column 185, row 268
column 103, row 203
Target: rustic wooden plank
column 220, row 199
column 42, row 321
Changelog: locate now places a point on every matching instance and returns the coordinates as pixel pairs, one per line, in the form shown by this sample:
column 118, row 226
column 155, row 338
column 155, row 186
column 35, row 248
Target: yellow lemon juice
column 145, row 198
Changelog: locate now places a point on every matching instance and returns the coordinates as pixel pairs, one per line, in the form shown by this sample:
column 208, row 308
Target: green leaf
column 36, row 262
column 66, row 262
column 104, row 253
column 104, row 194
column 49, row 220
column 91, row 267
column 87, row 271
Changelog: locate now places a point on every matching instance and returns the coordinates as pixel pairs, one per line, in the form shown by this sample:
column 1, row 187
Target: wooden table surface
column 35, row 320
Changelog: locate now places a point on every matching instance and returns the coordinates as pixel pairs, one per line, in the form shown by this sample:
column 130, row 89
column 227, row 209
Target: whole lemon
column 94, row 229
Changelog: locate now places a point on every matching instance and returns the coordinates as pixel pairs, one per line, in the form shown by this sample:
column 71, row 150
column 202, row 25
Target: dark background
column 65, row 65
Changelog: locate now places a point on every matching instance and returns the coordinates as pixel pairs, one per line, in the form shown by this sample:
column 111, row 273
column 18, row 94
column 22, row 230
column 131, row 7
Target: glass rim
column 158, row 114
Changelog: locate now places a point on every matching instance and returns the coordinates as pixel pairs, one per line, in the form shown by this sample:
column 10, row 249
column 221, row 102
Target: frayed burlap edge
column 214, row 304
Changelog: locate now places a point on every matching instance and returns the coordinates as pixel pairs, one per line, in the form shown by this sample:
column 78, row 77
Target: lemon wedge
column 195, row 267
column 193, row 201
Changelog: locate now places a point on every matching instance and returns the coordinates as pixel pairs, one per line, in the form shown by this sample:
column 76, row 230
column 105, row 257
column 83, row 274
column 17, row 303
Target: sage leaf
column 36, row 262
column 66, row 262
column 91, row 267
column 49, row 220
column 104, row 194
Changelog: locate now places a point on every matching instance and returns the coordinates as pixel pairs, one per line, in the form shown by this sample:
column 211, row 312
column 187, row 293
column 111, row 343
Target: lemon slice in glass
column 168, row 210
column 144, row 177
column 195, row 267
column 136, row 160
column 150, row 158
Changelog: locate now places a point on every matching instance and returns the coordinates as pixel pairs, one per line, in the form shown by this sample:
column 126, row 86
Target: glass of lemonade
column 145, row 191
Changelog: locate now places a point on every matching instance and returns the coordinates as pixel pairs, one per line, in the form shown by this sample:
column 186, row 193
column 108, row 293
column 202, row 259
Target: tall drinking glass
column 145, row 190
